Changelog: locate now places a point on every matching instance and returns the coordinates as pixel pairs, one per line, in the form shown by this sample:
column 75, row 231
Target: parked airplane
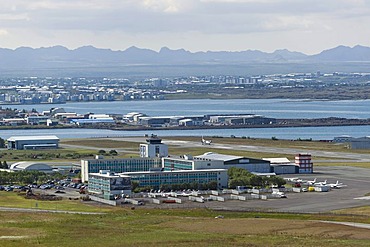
column 311, row 182
column 206, row 142
column 337, row 185
column 321, row 183
column 295, row 180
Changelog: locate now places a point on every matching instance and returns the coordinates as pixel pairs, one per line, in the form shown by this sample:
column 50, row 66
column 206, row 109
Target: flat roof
column 277, row 160
column 31, row 138
column 216, row 156
column 175, row 171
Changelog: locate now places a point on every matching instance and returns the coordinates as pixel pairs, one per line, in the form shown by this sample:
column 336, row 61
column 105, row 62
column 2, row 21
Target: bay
column 276, row 108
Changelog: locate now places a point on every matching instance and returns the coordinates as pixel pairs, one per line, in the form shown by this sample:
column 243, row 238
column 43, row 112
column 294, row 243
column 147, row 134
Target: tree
column 2, row 143
column 113, row 152
column 101, row 151
column 233, row 183
column 256, row 180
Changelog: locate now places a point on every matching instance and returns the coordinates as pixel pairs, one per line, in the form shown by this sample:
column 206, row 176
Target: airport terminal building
column 108, row 184
column 158, row 178
column 118, row 165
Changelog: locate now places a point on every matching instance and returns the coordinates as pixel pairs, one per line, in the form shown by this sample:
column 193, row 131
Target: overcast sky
column 308, row 26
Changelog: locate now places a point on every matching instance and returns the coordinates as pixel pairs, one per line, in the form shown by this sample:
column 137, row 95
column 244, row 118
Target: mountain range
column 90, row 57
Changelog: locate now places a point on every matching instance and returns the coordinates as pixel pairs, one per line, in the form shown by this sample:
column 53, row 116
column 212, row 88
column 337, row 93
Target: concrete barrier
column 255, row 196
column 234, row 197
column 133, row 201
column 196, row 199
column 263, row 197
column 242, row 198
column 255, row 191
column 156, row 201
column 177, row 200
column 215, row 192
column 105, row 201
column 217, row 198
column 297, row 190
column 235, row 192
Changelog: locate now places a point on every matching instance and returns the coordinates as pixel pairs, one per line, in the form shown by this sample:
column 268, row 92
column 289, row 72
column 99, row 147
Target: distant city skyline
column 195, row 25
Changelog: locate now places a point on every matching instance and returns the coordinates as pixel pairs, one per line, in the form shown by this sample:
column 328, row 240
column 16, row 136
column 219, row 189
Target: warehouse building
column 222, row 161
column 33, row 142
column 282, row 166
column 360, row 143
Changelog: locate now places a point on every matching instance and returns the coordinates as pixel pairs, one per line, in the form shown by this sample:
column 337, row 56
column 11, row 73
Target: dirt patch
column 270, row 226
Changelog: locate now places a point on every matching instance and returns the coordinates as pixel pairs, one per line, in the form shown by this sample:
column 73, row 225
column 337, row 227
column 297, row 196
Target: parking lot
column 356, row 179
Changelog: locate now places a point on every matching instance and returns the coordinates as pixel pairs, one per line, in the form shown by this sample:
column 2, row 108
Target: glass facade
column 174, row 164
column 108, row 184
column 179, row 177
column 122, row 165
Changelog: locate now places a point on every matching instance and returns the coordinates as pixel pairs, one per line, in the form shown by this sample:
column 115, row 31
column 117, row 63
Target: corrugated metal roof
column 29, row 138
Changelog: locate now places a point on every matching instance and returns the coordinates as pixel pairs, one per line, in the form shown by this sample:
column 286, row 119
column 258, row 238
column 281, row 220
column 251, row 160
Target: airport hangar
column 33, row 142
column 31, row 166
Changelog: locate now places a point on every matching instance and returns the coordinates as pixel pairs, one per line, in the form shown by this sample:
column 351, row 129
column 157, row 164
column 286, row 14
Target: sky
column 307, row 26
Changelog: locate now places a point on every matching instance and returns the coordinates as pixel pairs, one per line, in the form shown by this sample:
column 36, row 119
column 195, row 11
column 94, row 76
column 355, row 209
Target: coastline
column 281, row 123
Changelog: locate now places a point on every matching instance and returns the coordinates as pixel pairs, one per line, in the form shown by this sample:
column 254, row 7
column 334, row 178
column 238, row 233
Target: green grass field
column 156, row 227
column 12, row 199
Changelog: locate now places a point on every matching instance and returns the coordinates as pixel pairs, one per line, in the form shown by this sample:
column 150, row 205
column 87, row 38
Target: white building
column 154, row 148
column 31, row 166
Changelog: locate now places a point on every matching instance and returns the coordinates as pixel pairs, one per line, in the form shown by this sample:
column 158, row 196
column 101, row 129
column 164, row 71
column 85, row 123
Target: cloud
column 176, row 21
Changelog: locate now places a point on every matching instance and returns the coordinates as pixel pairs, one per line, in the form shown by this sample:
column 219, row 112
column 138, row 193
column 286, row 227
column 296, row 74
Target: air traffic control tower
column 153, row 148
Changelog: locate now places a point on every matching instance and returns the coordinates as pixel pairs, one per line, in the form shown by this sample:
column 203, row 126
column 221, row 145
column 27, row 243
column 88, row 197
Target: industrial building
column 222, row 161
column 33, row 142
column 108, row 184
column 360, row 143
column 245, row 119
column 282, row 166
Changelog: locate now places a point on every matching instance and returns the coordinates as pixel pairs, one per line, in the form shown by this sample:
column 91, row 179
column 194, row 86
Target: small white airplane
column 337, row 185
column 206, row 142
column 311, row 182
column 295, row 180
column 321, row 183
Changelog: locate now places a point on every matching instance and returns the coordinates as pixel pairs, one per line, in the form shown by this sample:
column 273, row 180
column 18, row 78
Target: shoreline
column 281, row 123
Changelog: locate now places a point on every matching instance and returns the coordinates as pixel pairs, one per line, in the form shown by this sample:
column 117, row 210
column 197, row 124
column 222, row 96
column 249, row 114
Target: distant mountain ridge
column 89, row 56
